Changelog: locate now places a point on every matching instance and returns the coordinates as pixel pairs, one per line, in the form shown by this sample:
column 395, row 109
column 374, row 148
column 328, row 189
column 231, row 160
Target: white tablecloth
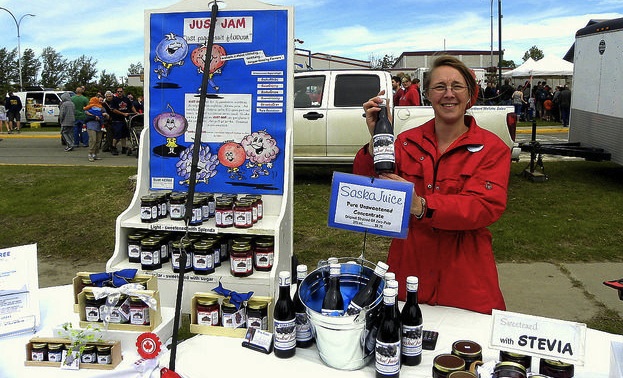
column 215, row 356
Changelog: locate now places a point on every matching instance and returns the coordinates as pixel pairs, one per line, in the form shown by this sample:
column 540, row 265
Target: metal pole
column 491, row 13
column 501, row 53
column 19, row 48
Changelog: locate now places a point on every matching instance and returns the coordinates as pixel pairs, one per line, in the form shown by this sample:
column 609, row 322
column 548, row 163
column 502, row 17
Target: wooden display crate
column 152, row 284
column 220, row 330
column 115, row 353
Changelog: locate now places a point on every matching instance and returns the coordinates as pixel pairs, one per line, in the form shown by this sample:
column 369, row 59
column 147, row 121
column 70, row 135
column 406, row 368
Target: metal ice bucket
column 343, row 342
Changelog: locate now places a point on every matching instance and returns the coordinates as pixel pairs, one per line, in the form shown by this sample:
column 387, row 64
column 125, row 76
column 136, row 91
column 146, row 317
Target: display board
column 244, row 128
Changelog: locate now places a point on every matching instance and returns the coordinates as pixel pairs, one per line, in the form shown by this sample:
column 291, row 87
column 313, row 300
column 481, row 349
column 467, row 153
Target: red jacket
column 465, row 190
column 410, row 97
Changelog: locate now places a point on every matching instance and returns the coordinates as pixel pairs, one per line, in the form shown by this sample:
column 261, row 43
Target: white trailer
column 597, row 99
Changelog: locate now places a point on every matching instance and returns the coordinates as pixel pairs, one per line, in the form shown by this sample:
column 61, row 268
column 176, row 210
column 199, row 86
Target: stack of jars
column 128, row 310
column 211, row 312
column 53, row 352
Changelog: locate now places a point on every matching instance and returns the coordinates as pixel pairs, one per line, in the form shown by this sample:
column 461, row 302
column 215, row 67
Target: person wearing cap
column 460, row 174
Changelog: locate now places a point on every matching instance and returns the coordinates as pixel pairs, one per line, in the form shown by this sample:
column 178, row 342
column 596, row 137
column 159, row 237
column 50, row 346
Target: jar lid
column 448, row 362
column 461, row 374
column 228, row 304
column 266, row 241
column 241, row 247
column 89, row 347
column 178, row 243
column 39, row 345
column 510, row 365
column 257, row 305
column 55, row 346
column 178, row 196
column 89, row 295
column 556, row 365
column 466, row 348
column 86, row 280
column 150, row 242
column 136, row 300
column 244, row 202
column 104, row 348
column 203, row 245
column 224, row 201
column 207, row 301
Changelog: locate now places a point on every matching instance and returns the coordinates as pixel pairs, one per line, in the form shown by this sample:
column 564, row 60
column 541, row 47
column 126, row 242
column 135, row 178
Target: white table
column 205, row 355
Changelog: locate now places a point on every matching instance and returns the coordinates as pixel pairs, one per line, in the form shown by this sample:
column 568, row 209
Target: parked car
column 40, row 105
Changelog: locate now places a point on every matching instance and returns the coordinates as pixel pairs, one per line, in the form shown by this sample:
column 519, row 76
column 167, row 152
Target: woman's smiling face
column 448, row 93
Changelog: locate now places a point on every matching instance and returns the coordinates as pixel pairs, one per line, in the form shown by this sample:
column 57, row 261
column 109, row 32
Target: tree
column 534, row 53
column 80, row 71
column 107, row 81
column 508, row 63
column 30, row 68
column 8, row 71
column 135, row 69
column 383, row 63
column 54, row 69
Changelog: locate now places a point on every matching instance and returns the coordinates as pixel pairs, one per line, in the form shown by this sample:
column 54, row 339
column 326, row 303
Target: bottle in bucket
column 333, row 303
column 411, row 318
column 303, row 327
column 284, row 319
column 387, row 348
column 367, row 295
column 393, row 284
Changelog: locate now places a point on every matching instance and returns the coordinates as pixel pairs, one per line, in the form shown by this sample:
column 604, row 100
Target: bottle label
column 146, row 213
column 387, row 357
column 383, row 147
column 38, row 356
column 207, row 318
column 241, row 264
column 285, row 334
column 353, row 308
column 177, row 211
column 55, row 356
column 257, row 322
column 235, row 320
column 92, row 313
column 203, row 262
column 104, row 359
column 303, row 328
column 139, row 315
column 264, row 259
column 134, row 251
column 411, row 340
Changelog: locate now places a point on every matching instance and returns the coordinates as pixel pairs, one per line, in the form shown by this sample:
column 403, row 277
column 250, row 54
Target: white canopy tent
column 555, row 71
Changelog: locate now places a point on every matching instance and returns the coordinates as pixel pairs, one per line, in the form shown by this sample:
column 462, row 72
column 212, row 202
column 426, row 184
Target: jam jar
column 149, row 209
column 163, row 238
column 120, row 312
column 92, row 307
column 211, row 205
column 258, row 203
column 232, row 318
column 241, row 259
column 88, row 355
column 208, row 312
column 196, row 218
column 55, row 352
column 508, row 369
column 177, row 206
column 139, row 311
column 134, row 246
column 203, row 257
column 175, row 255
column 161, row 200
column 243, row 214
column 469, row 351
column 104, row 355
column 263, row 253
column 216, row 248
column 556, row 369
column 257, row 314
column 444, row 364
column 150, row 254
column 224, row 214
column 39, row 352
column 524, row 360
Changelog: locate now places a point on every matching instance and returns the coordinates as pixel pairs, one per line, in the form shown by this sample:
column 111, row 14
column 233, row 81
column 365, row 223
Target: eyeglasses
column 455, row 88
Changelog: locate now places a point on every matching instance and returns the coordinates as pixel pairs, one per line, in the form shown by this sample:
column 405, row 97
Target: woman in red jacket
column 460, row 174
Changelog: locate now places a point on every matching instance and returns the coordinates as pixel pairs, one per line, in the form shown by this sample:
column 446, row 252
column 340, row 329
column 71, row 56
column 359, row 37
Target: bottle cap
column 302, row 268
column 334, row 269
column 284, row 278
column 412, row 279
column 389, row 292
column 392, row 284
column 381, row 268
column 390, row 276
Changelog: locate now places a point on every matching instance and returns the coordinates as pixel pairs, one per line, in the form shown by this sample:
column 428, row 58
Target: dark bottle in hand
column 383, row 143
column 284, row 319
column 411, row 318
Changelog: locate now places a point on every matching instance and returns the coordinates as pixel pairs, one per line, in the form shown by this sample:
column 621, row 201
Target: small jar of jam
column 139, row 311
column 508, row 369
column 208, row 312
column 211, row 205
column 264, row 253
column 150, row 254
column 224, row 213
column 175, row 255
column 243, row 214
column 177, row 206
column 161, row 199
column 163, row 238
column 196, row 218
column 134, row 246
column 216, row 248
column 524, row 360
column 444, row 364
column 241, row 259
column 149, row 209
column 556, row 369
column 232, row 318
column 257, row 314
column 119, row 313
column 92, row 307
column 469, row 351
column 104, row 356
column 259, row 204
column 39, row 352
column 55, row 352
column 88, row 356
column 203, row 257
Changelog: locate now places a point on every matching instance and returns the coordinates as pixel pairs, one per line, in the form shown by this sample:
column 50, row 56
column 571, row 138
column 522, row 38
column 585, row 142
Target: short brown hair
column 450, row 61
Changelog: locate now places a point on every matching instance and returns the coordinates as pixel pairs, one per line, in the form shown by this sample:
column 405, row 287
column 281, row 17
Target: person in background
column 518, row 100
column 122, row 108
column 13, row 105
column 138, row 105
column 397, row 88
column 460, row 173
column 506, row 92
column 3, row 121
column 410, row 96
column 95, row 114
column 80, row 101
column 490, row 93
column 108, row 135
column 67, row 120
column 564, row 102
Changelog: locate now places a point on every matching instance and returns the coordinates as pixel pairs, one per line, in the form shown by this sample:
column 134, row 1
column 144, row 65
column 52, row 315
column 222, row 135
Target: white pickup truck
column 329, row 127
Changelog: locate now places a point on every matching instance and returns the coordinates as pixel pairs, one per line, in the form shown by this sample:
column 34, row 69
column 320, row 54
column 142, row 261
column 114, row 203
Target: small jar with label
column 224, row 213
column 468, row 350
column 104, row 354
column 241, row 259
column 88, row 356
column 232, row 318
column 149, row 209
column 556, row 369
column 92, row 307
column 177, row 206
column 264, row 253
column 134, row 246
column 258, row 203
column 161, row 200
column 150, row 254
column 120, row 312
column 139, row 311
column 208, row 312
column 39, row 352
column 254, row 205
column 508, row 369
column 444, row 364
column 55, row 352
column 175, row 255
column 203, row 257
column 216, row 248
column 211, row 204
column 523, row 359
column 257, row 314
column 243, row 214
column 196, row 218
column 163, row 238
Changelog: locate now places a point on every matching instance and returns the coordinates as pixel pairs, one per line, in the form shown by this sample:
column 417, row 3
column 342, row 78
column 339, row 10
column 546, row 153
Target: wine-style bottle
column 284, row 322
column 303, row 327
column 411, row 318
column 387, row 348
column 367, row 294
column 393, row 284
column 383, row 143
column 333, row 303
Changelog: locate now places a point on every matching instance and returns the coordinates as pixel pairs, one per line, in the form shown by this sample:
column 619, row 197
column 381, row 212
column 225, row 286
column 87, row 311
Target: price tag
column 378, row 206
column 534, row 335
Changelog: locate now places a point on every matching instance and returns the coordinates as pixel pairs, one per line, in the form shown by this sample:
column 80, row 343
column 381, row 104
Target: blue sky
column 112, row 31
